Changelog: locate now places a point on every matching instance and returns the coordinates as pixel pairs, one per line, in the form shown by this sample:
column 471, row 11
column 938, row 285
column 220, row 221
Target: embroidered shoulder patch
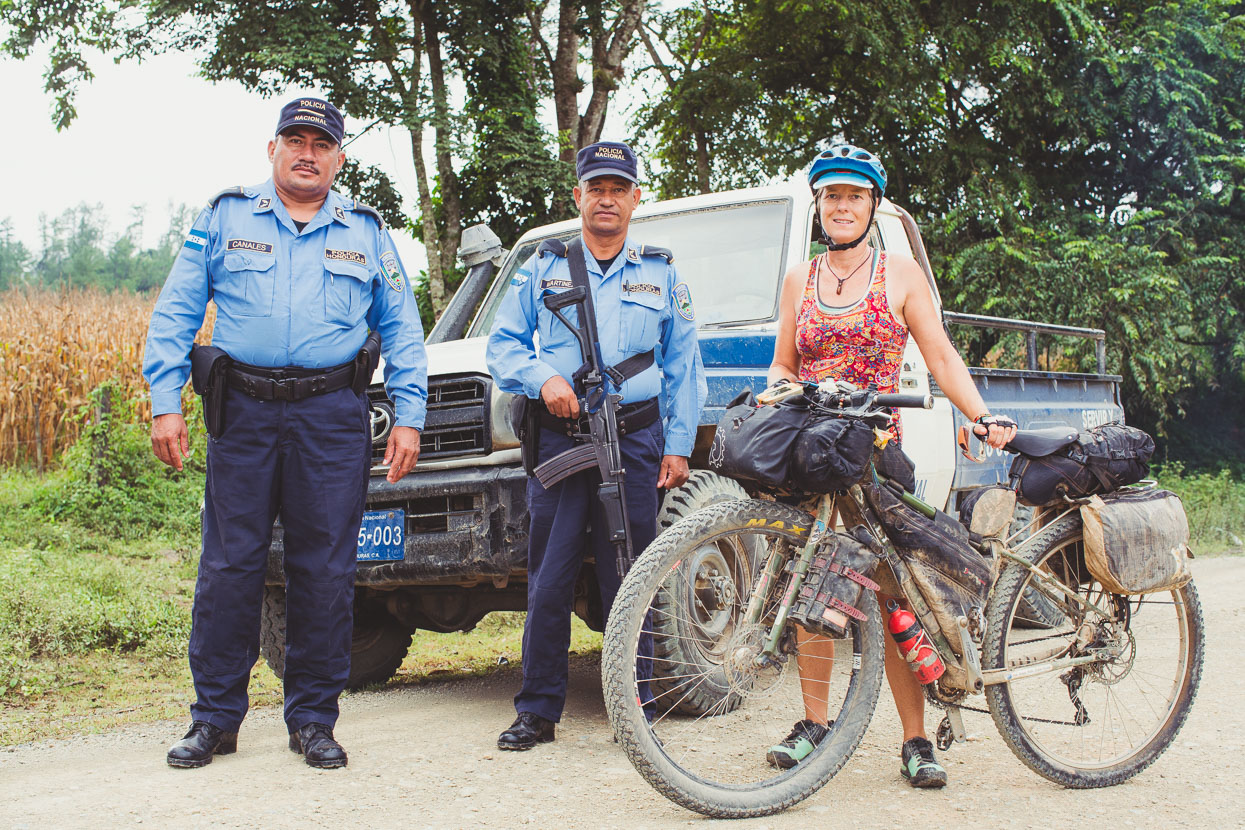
column 393, row 273
column 520, row 277
column 195, row 240
column 683, row 301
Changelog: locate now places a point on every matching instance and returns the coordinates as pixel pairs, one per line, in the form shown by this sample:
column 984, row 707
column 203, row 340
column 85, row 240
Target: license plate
column 381, row 536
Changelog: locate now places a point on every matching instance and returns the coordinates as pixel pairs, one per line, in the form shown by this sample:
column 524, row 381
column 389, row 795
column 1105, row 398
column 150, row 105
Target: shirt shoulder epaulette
column 359, row 207
column 236, row 190
column 557, row 247
column 654, row 251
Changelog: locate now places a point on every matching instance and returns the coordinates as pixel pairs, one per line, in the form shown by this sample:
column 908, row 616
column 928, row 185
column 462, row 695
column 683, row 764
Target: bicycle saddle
column 1039, row 442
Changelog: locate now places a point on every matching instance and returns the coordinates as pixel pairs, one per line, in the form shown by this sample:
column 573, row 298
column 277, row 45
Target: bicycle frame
column 857, row 513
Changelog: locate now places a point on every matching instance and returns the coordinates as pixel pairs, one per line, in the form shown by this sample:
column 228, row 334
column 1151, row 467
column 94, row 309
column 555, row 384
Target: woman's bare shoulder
column 797, row 273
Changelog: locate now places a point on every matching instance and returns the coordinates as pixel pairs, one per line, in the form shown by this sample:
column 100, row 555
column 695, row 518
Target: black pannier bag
column 830, row 454
column 1101, row 460
column 950, row 574
column 1137, row 541
column 841, row 569
column 753, row 443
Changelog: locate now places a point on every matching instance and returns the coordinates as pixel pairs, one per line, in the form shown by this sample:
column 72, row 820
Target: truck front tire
column 378, row 646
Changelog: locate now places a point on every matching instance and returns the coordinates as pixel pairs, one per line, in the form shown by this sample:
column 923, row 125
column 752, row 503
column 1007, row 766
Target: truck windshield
column 731, row 257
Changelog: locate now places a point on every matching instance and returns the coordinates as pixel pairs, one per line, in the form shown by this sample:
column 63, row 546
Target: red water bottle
column 914, row 644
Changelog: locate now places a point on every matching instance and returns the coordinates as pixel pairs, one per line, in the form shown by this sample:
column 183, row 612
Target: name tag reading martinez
column 346, row 256
column 248, row 245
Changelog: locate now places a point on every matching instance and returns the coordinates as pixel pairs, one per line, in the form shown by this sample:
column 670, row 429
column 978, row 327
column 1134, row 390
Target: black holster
column 208, row 366
column 525, row 420
column 365, row 363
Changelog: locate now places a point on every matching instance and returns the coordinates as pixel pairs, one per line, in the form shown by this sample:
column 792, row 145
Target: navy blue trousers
column 309, row 462
column 557, row 545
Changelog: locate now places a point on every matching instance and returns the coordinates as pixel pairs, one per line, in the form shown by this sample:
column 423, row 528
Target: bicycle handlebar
column 905, row 401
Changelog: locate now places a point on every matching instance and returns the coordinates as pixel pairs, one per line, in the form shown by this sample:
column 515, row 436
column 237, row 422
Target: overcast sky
column 154, row 134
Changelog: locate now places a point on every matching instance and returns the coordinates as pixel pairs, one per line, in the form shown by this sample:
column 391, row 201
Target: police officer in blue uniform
column 646, row 328
column 299, row 274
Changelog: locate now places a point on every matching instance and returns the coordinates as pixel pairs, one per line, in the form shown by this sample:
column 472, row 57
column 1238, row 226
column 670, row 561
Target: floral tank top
column 862, row 344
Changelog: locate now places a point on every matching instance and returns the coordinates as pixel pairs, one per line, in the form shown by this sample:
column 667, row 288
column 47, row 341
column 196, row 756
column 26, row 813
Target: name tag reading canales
column 248, row 245
column 346, row 256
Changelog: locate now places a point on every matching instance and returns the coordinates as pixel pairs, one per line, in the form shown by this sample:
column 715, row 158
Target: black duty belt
column 292, row 383
column 631, row 417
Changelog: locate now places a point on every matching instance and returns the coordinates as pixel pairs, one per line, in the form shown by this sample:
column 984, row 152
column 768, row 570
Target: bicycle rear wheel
column 711, row 758
column 1102, row 722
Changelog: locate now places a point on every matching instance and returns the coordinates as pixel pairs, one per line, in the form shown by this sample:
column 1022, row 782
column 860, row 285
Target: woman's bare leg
column 909, row 699
column 815, row 661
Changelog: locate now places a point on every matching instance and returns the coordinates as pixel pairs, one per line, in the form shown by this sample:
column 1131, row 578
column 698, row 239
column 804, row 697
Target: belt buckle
column 281, row 392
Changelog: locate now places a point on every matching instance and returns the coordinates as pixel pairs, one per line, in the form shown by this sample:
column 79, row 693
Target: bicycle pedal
column 944, row 737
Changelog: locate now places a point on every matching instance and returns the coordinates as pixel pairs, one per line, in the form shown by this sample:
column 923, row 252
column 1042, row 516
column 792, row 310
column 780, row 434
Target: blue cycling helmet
column 847, row 164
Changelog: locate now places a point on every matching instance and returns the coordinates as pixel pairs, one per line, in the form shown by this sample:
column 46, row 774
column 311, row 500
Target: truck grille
column 457, row 422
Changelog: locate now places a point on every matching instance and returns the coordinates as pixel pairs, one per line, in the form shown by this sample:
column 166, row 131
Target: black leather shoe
column 202, row 742
column 315, row 743
column 527, row 730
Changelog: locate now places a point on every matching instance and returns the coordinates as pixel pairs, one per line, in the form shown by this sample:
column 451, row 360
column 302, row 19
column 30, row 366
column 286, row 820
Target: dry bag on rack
column 1137, row 541
column 753, row 443
column 1101, row 460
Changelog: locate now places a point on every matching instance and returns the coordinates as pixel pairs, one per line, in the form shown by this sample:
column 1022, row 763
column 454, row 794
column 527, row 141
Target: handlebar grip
column 906, row 401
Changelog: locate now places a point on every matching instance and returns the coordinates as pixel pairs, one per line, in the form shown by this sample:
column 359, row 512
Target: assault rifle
column 601, row 448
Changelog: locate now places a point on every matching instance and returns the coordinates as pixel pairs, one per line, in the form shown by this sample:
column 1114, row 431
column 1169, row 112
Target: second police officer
column 646, row 329
column 299, row 274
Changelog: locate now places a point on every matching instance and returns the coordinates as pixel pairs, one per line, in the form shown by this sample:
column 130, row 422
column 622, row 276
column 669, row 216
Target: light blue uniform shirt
column 285, row 298
column 640, row 305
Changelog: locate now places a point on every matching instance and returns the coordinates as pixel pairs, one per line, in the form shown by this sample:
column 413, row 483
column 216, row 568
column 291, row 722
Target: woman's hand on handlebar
column 995, row 430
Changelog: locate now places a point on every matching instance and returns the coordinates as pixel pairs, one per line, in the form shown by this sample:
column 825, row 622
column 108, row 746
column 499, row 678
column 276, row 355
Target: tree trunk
column 609, row 50
column 566, row 83
column 442, row 139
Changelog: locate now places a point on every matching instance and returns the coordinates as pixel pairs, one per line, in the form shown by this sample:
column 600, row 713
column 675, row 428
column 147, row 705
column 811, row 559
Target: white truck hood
column 454, row 357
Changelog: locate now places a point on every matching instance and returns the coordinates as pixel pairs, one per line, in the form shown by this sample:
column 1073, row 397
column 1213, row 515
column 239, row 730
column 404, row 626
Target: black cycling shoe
column 804, row 738
column 199, row 745
column 527, row 730
column 920, row 766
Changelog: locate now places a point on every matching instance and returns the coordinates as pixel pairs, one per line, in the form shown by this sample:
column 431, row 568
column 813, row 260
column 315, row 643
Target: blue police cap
column 313, row 112
column 606, row 158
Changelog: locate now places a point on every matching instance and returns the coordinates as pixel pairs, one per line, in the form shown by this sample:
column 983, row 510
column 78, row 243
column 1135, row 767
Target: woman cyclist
column 846, row 314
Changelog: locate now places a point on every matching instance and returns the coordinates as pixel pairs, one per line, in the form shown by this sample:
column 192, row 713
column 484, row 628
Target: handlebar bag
column 830, row 454
column 1101, row 460
column 895, row 464
column 953, row 578
column 1137, row 541
column 841, row 569
column 753, row 442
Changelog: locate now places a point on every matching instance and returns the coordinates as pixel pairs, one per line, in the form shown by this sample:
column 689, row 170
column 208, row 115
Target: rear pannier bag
column 1137, row 541
column 1101, row 460
column 830, row 454
column 950, row 574
column 753, row 443
column 827, row 602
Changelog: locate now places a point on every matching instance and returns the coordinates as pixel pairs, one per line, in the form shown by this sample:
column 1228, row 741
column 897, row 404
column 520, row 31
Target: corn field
column 55, row 347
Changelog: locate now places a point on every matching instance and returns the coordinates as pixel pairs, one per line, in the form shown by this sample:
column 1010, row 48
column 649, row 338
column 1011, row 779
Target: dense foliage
column 1067, row 161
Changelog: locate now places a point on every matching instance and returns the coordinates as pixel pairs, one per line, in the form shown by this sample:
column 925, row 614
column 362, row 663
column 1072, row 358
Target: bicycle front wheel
column 1105, row 720
column 712, row 757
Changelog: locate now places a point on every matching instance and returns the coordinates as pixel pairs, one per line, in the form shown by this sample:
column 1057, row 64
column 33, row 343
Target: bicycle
column 1086, row 687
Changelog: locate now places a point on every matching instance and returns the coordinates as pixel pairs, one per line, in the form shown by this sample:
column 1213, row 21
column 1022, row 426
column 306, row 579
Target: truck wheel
column 687, row 644
column 377, row 648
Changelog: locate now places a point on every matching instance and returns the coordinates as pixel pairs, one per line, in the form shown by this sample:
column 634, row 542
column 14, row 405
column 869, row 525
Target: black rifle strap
column 625, row 369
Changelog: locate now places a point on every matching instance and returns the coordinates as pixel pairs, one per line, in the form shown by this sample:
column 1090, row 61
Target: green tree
column 14, row 257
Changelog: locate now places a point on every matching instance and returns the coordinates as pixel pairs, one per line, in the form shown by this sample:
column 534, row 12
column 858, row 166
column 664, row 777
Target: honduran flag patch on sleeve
column 195, row 240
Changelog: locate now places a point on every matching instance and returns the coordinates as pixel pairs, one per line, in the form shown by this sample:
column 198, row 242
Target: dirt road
column 426, row 757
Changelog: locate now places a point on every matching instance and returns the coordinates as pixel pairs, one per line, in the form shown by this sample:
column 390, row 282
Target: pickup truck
column 448, row 543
